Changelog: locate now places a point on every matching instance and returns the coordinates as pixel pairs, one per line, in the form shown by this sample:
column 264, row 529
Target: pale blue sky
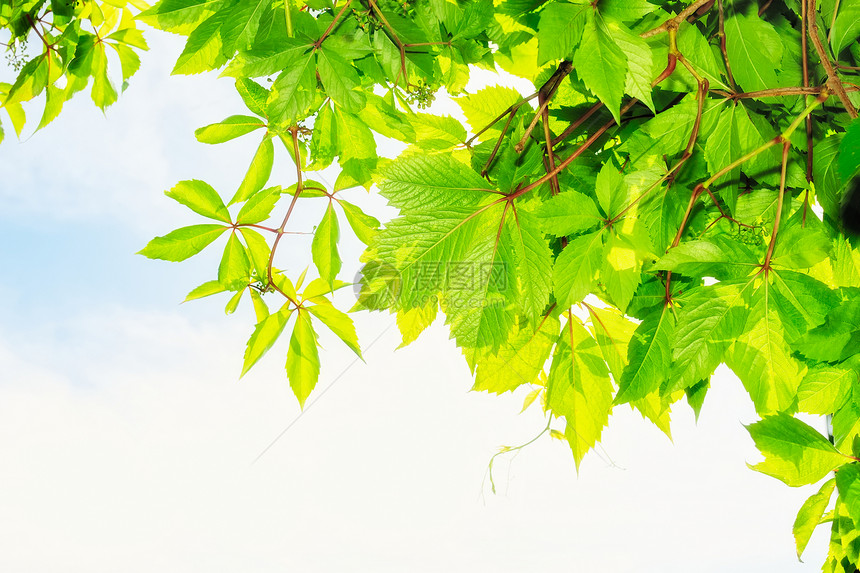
column 126, row 439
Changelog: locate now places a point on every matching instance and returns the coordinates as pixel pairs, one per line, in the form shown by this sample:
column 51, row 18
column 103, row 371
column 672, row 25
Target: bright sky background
column 127, row 440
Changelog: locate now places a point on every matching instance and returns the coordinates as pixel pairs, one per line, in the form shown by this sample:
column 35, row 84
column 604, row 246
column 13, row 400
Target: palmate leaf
column 579, row 388
column 794, row 452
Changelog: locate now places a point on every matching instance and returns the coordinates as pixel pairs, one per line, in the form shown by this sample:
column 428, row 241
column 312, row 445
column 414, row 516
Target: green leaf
column 825, row 388
column 625, row 10
column 848, row 483
column 264, row 336
column 340, row 81
column 762, row 359
column 579, row 388
column 640, row 62
column 103, row 93
column 568, row 213
column 339, row 323
column 231, row 128
column 179, row 16
column 709, row 320
column 754, row 49
column 258, row 252
column 811, row 514
column 794, row 452
column 201, row 198
column 234, row 272
column 254, row 95
column 719, row 257
column 324, row 246
column 603, row 66
column 534, row 264
column 234, row 301
column 435, row 133
column 846, row 28
column 259, row 206
column 414, row 321
column 649, row 357
column 294, row 90
column 206, row 289
column 203, row 50
column 258, row 172
column 243, row 22
column 560, row 30
column 483, row 107
column 575, row 268
column 303, row 361
column 849, row 151
column 363, row 225
column 182, row 243
column 268, row 58
column 431, row 181
column 520, row 360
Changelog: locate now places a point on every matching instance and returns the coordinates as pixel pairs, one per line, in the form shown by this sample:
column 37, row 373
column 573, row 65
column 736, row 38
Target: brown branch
column 580, row 150
column 331, row 26
column 833, row 81
column 298, row 159
column 805, row 58
column 722, row 34
column 512, row 109
column 545, row 94
column 766, row 266
column 498, row 144
column 673, row 23
column 573, row 126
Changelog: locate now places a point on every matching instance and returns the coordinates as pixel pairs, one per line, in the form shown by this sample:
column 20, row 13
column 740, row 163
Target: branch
column 676, row 21
column 833, row 81
column 545, row 94
column 766, row 266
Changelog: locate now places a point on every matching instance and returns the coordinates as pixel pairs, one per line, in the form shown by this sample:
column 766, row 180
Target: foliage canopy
column 666, row 200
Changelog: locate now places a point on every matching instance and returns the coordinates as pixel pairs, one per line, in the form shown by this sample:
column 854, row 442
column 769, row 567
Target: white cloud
column 127, row 443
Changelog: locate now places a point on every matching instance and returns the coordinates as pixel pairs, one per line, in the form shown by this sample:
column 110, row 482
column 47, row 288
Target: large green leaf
column 603, row 66
column 579, row 388
column 303, row 360
column 182, row 243
column 201, row 198
column 649, row 357
column 755, row 51
column 794, row 452
column 324, row 246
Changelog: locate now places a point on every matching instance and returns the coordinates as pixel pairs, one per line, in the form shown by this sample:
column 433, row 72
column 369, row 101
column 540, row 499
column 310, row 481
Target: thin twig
column 833, row 81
